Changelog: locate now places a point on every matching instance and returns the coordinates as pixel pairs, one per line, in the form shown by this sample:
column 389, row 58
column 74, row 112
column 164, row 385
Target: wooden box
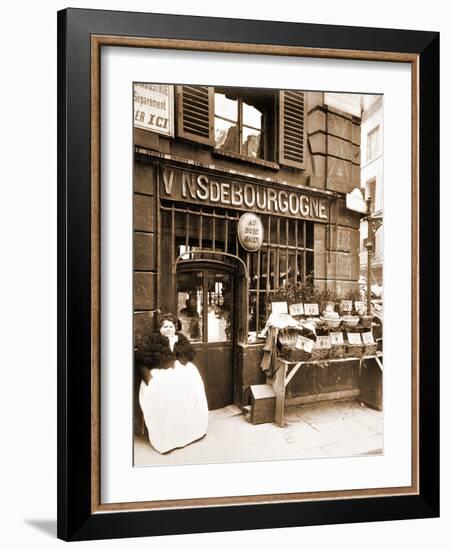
column 263, row 404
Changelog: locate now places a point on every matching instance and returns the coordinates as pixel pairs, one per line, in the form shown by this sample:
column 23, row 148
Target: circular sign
column 250, row 232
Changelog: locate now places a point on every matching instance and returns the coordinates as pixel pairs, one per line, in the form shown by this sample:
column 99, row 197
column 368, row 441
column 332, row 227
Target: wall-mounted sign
column 356, row 202
column 250, row 232
column 154, row 107
column 203, row 189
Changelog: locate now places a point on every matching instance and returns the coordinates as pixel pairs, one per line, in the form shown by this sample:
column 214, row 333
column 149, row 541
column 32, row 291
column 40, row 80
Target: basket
column 331, row 324
column 319, row 353
column 349, row 321
column 366, row 321
column 287, row 336
column 353, row 350
column 293, row 354
column 369, row 349
column 337, row 351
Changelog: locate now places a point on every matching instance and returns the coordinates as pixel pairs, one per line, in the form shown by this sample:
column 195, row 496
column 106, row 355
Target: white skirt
column 174, row 406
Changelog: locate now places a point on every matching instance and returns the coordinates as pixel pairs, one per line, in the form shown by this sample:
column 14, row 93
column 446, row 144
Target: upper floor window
column 250, row 124
column 239, row 126
column 372, row 143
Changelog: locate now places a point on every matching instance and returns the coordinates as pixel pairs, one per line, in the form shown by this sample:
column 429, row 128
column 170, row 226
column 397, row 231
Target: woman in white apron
column 172, row 394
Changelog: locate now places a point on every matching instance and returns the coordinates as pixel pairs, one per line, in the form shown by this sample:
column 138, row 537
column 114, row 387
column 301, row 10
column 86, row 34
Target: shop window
column 286, row 258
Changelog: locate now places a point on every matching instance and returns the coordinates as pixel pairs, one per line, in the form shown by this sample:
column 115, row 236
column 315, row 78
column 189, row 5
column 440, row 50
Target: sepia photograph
column 244, row 219
column 257, row 274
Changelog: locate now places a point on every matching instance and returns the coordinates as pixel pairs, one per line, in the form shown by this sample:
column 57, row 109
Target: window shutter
column 195, row 116
column 292, row 129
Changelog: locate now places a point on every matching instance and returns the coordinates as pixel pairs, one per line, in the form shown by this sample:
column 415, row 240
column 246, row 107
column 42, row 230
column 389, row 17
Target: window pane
column 226, row 135
column 252, row 116
column 189, row 304
column 226, row 108
column 219, row 293
column 251, row 142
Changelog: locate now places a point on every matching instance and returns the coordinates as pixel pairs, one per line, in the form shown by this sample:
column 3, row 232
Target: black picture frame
column 77, row 520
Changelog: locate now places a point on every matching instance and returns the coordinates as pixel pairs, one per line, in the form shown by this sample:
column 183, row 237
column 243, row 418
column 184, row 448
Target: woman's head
column 168, row 324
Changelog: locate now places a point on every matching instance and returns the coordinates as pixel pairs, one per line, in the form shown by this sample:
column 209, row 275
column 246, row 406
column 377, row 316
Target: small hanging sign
column 336, row 338
column 354, row 338
column 311, row 309
column 367, row 338
column 304, row 343
column 296, row 309
column 279, row 307
column 346, row 306
column 360, row 307
column 323, row 342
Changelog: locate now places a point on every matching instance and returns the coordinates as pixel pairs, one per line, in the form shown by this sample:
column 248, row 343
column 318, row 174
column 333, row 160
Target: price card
column 304, row 343
column 367, row 338
column 279, row 307
column 323, row 342
column 311, row 309
column 354, row 338
column 336, row 338
column 346, row 305
column 360, row 307
column 296, row 309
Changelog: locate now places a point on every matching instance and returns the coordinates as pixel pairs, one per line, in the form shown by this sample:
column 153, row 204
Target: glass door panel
column 219, row 297
column 190, row 304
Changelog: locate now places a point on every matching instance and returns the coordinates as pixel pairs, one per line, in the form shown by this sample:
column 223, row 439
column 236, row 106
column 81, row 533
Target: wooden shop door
column 206, row 308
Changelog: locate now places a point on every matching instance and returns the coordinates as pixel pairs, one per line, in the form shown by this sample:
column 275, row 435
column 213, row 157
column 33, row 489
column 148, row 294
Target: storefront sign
column 203, row 189
column 154, row 107
column 250, row 232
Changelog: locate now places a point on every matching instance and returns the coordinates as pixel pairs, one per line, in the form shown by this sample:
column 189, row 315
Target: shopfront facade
column 285, row 157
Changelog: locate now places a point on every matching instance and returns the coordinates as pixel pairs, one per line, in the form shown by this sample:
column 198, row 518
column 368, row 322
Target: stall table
column 286, row 370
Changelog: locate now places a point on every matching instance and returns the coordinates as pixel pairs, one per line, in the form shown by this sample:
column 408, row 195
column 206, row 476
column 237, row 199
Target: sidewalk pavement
column 339, row 428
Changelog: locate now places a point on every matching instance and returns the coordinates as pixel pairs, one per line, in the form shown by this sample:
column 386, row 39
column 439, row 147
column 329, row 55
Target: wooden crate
column 263, row 404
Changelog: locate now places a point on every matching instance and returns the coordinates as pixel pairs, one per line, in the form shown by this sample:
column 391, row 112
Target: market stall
column 321, row 352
